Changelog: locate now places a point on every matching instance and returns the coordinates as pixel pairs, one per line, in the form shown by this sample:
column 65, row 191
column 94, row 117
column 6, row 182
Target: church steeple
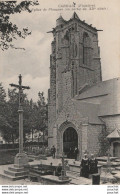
column 75, row 61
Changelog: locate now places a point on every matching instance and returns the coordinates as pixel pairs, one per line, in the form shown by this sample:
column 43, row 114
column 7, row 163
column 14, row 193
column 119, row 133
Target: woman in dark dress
column 58, row 170
column 76, row 152
column 84, row 167
column 93, row 169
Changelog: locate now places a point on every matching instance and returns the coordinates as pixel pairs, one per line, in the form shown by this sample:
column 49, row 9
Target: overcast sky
column 33, row 62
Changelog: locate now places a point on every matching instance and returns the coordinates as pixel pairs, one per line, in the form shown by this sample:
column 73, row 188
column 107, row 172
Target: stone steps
column 114, row 172
column 12, row 178
column 105, row 158
column 72, row 174
column 81, row 181
column 15, row 174
column 117, row 168
column 15, row 169
column 32, row 157
column 112, row 164
column 117, row 160
column 117, row 176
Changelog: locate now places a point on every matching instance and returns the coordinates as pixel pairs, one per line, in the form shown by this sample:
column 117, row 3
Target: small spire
column 60, row 21
column 60, row 17
column 75, row 16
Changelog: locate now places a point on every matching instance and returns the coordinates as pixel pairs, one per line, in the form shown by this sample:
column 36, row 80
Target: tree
column 8, row 30
column 3, row 108
column 13, row 118
column 12, row 133
column 34, row 115
column 43, row 114
column 38, row 116
column 28, row 117
column 104, row 143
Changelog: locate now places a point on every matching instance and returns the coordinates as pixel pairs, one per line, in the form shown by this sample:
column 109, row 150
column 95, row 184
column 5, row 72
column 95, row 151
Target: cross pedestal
column 21, row 158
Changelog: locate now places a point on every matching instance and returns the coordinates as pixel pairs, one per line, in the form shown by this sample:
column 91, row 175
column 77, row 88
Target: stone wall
column 69, row 117
column 51, row 121
column 93, row 134
column 52, row 94
column 67, row 57
column 66, row 86
column 84, row 139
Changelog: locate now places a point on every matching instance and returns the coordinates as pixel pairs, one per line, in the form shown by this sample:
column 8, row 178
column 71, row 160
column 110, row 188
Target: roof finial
column 75, row 16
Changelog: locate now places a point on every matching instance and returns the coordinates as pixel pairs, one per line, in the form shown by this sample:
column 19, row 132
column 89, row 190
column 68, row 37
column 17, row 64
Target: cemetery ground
column 39, row 159
column 74, row 178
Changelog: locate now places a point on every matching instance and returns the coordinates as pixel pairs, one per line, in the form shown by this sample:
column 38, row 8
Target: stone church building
column 83, row 110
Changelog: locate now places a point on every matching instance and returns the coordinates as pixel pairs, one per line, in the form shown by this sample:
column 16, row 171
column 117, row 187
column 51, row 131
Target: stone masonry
column 77, row 96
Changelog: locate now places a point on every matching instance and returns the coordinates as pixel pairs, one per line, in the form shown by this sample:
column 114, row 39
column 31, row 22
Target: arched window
column 74, row 79
column 86, row 46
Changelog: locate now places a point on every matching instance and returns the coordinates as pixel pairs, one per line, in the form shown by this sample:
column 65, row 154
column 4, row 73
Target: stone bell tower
column 74, row 64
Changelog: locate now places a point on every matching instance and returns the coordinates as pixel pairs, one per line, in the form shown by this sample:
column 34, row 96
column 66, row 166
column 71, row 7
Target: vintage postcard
column 59, row 93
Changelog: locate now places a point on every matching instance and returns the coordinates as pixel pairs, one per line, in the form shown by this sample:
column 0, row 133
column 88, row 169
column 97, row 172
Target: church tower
column 74, row 64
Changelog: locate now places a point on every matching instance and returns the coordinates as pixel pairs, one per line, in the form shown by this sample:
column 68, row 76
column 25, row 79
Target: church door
column 70, row 141
column 116, row 149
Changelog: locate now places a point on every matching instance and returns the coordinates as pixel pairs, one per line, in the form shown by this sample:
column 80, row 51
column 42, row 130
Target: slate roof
column 109, row 90
column 101, row 88
column 114, row 134
column 89, row 110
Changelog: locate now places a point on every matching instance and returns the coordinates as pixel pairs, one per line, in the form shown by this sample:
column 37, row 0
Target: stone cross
column 20, row 111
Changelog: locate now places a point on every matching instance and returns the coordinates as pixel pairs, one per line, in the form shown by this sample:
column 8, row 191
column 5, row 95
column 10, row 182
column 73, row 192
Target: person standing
column 93, row 169
column 76, row 152
column 53, row 151
column 58, row 170
column 84, row 172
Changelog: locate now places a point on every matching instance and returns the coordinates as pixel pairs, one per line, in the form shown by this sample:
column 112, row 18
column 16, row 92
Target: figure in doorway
column 76, row 152
column 93, row 169
column 69, row 155
column 53, row 151
column 84, row 172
